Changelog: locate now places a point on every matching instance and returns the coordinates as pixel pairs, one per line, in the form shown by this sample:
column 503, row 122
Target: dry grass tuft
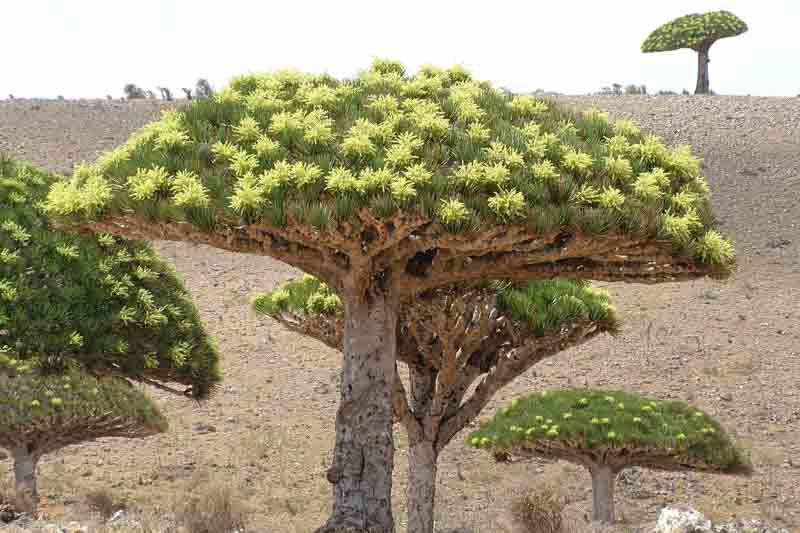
column 539, row 510
column 214, row 509
column 103, row 502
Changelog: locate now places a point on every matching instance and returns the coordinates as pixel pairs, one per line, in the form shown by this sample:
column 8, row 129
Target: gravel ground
column 731, row 348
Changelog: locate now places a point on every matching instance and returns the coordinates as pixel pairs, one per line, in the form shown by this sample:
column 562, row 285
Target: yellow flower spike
column 636, row 419
column 621, row 406
column 612, row 435
column 605, row 420
column 530, row 431
column 56, row 402
column 539, row 418
column 610, row 399
column 553, row 432
column 35, row 403
column 567, row 416
column 514, row 403
column 681, row 436
column 595, row 421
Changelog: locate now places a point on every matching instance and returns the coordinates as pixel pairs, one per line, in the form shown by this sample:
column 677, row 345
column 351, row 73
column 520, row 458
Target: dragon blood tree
column 388, row 185
column 451, row 338
column 696, row 32
column 95, row 311
column 42, row 414
column 608, row 431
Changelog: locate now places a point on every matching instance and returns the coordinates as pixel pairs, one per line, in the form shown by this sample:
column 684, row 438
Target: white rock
column 682, row 519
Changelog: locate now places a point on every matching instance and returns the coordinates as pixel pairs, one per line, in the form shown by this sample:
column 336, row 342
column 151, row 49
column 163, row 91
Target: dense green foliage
column 41, row 411
column 542, row 305
column 694, row 31
column 587, row 420
column 295, row 148
column 100, row 304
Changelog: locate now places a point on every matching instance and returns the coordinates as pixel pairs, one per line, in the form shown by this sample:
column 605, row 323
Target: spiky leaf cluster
column 44, row 413
column 612, row 426
column 694, row 31
column 101, row 303
column 295, row 148
column 542, row 305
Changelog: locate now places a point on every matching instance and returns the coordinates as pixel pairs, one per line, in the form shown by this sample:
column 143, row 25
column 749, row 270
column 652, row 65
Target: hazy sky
column 90, row 48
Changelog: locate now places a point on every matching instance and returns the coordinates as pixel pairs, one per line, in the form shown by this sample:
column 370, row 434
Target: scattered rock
column 682, row 519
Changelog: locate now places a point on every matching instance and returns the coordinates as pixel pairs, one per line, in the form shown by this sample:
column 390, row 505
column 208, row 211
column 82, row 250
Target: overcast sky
column 90, row 48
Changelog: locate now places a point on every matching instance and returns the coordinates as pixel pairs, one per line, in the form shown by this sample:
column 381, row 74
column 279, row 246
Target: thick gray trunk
column 361, row 473
column 703, row 84
column 25, row 473
column 421, row 486
column 603, row 479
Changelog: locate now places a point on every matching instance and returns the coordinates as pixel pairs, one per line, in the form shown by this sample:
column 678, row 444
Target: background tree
column 608, row 431
column 696, row 32
column 133, row 91
column 150, row 95
column 203, row 89
column 43, row 414
column 166, row 93
column 388, row 185
column 104, row 305
column 187, row 92
column 451, row 338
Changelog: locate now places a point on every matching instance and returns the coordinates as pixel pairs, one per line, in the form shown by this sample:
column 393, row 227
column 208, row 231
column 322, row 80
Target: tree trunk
column 422, row 453
column 361, row 472
column 25, row 464
column 703, row 85
column 603, row 479
column 421, row 486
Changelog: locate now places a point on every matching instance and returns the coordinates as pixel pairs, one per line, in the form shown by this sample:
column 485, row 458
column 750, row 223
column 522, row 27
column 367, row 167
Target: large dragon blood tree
column 80, row 318
column 452, row 338
column 696, row 32
column 607, row 432
column 387, row 185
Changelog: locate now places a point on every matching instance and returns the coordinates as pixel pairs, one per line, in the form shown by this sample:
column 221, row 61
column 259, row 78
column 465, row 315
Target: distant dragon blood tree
column 97, row 312
column 696, row 32
column 388, row 185
column 451, row 338
column 608, row 431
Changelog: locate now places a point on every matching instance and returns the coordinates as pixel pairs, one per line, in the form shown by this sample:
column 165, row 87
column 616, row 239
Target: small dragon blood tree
column 608, row 431
column 451, row 338
column 696, row 32
column 79, row 317
column 387, row 185
column 42, row 414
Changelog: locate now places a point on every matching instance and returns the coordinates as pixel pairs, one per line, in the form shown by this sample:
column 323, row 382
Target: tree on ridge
column 697, row 32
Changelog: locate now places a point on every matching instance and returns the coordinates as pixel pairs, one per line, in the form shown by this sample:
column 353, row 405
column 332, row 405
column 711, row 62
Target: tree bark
column 703, row 84
column 603, row 479
column 361, row 472
column 25, row 465
column 421, row 495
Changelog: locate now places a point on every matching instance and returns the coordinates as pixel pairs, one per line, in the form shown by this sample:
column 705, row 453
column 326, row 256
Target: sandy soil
column 731, row 348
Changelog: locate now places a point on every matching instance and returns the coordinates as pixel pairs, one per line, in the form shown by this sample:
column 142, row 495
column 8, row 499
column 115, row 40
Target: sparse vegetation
column 539, row 510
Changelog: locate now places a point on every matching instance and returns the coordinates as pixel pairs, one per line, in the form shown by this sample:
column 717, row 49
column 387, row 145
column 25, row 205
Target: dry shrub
column 12, row 503
column 214, row 509
column 103, row 502
column 539, row 510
